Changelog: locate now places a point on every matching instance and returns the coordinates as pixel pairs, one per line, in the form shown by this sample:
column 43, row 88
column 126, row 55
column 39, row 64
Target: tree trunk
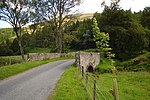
column 21, row 50
column 58, row 40
column 19, row 43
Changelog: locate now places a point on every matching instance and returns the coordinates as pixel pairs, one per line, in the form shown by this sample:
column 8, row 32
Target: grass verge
column 10, row 70
column 70, row 87
column 131, row 85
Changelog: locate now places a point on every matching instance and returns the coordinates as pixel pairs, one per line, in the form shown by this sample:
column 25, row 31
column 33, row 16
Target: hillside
column 7, row 33
column 85, row 16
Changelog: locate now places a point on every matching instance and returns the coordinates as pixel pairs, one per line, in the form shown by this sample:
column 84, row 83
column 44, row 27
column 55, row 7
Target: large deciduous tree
column 16, row 13
column 59, row 14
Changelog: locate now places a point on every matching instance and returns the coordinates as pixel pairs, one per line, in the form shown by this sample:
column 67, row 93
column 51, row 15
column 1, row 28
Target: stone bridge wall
column 87, row 59
column 42, row 56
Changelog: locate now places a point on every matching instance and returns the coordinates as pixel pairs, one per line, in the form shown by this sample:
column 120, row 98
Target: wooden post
column 94, row 90
column 115, row 89
column 82, row 72
column 86, row 80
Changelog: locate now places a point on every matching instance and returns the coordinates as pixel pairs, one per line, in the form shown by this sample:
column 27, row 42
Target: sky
column 92, row 6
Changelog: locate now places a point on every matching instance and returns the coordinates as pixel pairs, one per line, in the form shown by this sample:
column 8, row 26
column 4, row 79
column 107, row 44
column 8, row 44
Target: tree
column 101, row 39
column 145, row 17
column 59, row 14
column 80, row 34
column 16, row 13
column 127, row 36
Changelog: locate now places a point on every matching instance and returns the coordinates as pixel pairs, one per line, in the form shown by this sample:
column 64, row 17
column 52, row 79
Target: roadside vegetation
column 132, row 85
column 9, row 60
column 133, row 77
column 139, row 63
column 10, row 70
column 70, row 87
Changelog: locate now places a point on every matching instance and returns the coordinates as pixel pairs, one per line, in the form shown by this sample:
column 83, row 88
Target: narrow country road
column 35, row 84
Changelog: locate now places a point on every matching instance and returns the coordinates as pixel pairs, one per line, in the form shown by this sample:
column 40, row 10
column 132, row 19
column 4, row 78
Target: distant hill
column 8, row 32
column 85, row 16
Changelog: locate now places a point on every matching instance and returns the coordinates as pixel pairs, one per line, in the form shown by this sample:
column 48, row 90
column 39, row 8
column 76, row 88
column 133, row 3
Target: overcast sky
column 92, row 6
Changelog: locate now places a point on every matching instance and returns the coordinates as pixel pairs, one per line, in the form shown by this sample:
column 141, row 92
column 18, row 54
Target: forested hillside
column 129, row 34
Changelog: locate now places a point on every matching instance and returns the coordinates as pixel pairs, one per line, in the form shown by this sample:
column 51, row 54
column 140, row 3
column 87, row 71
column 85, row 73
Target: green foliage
column 101, row 39
column 80, row 34
column 139, row 63
column 127, row 37
column 6, row 37
column 104, row 66
column 41, row 35
column 6, row 34
column 70, row 87
column 9, row 60
column 38, row 50
column 145, row 19
column 5, row 49
column 92, row 50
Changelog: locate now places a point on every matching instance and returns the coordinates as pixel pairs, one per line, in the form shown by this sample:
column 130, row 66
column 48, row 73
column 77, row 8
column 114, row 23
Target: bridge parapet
column 89, row 60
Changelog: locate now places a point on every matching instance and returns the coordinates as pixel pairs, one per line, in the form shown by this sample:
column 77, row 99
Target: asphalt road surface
column 35, row 84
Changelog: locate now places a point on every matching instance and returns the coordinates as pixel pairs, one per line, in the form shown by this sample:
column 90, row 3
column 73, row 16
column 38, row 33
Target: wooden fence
column 94, row 87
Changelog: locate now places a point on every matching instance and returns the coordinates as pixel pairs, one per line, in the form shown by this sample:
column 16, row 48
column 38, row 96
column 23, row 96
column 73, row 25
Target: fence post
column 86, row 80
column 82, row 72
column 115, row 89
column 94, row 90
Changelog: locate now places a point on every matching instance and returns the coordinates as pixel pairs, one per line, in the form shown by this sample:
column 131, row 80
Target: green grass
column 70, row 87
column 104, row 66
column 132, row 85
column 10, row 70
column 139, row 63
